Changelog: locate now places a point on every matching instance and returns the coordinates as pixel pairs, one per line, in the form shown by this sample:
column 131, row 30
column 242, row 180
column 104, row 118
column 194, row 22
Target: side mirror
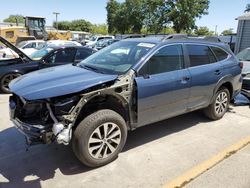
column 144, row 72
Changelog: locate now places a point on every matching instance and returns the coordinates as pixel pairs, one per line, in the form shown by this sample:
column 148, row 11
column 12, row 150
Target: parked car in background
column 104, row 43
column 46, row 57
column 94, row 39
column 59, row 43
column 128, row 36
column 244, row 57
column 30, row 46
column 127, row 85
column 7, row 53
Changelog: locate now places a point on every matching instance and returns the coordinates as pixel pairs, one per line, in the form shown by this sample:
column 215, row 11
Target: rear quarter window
column 219, row 53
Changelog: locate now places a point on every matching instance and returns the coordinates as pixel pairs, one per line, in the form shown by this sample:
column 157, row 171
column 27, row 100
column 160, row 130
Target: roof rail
column 174, row 36
column 212, row 38
column 185, row 36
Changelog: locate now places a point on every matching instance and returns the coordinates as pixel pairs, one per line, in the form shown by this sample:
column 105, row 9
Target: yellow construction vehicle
column 34, row 28
column 59, row 34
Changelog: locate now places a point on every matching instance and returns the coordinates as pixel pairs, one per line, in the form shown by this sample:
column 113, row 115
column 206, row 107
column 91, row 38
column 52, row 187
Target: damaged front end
column 40, row 121
column 47, row 120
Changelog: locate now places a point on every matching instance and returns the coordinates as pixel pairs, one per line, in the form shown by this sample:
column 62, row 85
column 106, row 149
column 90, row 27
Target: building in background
column 243, row 33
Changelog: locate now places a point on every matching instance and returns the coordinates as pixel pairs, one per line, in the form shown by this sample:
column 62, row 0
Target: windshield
column 244, row 55
column 21, row 44
column 40, row 53
column 117, row 58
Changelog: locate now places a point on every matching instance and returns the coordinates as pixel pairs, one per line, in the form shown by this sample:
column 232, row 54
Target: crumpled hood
column 57, row 81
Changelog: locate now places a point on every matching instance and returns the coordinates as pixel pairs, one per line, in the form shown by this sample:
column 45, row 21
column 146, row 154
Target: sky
column 221, row 12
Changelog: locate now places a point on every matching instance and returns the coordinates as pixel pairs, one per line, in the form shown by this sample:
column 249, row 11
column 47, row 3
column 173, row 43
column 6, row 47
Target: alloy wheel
column 221, row 103
column 104, row 140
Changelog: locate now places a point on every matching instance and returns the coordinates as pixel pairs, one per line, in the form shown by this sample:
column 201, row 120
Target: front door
column 163, row 86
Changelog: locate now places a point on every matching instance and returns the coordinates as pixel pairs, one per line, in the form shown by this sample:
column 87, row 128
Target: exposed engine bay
column 47, row 120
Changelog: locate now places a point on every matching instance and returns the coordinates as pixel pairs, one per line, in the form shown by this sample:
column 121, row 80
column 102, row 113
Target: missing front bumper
column 34, row 134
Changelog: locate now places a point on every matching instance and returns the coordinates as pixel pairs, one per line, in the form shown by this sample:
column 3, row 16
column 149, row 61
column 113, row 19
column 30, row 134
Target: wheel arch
column 105, row 101
column 225, row 82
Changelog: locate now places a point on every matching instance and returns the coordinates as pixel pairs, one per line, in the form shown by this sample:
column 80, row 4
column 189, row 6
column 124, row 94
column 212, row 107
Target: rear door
column 205, row 73
column 163, row 85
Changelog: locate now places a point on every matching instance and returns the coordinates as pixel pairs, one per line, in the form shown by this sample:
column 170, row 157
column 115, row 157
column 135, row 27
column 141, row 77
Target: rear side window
column 219, row 53
column 200, row 55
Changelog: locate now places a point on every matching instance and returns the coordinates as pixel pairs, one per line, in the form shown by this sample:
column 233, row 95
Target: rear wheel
column 5, row 81
column 220, row 104
column 99, row 138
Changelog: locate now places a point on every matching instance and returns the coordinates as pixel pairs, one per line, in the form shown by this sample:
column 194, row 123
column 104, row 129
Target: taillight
column 241, row 65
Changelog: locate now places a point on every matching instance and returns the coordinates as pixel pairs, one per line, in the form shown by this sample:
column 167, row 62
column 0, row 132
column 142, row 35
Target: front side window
column 200, row 55
column 39, row 54
column 117, row 58
column 219, row 53
column 169, row 58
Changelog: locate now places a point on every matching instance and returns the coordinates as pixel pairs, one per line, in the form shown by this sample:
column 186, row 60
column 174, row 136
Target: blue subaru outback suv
column 124, row 86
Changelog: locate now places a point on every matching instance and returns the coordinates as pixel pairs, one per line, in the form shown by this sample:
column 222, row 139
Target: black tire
column 6, row 79
column 86, row 130
column 211, row 111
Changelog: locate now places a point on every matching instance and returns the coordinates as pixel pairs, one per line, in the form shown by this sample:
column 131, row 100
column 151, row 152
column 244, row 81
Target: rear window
column 200, row 55
column 219, row 53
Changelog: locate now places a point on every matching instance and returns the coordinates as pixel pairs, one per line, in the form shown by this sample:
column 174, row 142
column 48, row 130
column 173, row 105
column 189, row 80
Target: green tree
column 121, row 22
column 80, row 25
column 100, row 29
column 62, row 25
column 227, row 31
column 13, row 18
column 112, row 9
column 184, row 13
column 203, row 31
column 75, row 25
column 247, row 9
column 134, row 15
column 155, row 15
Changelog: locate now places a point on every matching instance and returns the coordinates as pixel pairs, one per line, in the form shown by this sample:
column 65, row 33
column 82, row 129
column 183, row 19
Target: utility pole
column 56, row 13
column 215, row 31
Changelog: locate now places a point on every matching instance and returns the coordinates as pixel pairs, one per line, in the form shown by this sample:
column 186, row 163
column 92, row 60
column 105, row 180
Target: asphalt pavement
column 153, row 156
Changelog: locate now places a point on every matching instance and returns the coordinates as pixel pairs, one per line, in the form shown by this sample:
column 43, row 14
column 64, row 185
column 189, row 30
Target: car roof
column 35, row 40
column 63, row 47
column 181, row 39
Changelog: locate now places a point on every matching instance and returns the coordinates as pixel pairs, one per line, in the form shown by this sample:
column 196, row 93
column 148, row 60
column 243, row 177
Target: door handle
column 186, row 78
column 217, row 72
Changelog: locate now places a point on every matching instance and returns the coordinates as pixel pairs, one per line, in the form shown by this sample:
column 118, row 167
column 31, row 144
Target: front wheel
column 99, row 138
column 219, row 106
column 5, row 81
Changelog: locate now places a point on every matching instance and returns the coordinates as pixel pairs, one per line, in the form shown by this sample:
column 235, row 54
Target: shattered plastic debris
column 242, row 99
